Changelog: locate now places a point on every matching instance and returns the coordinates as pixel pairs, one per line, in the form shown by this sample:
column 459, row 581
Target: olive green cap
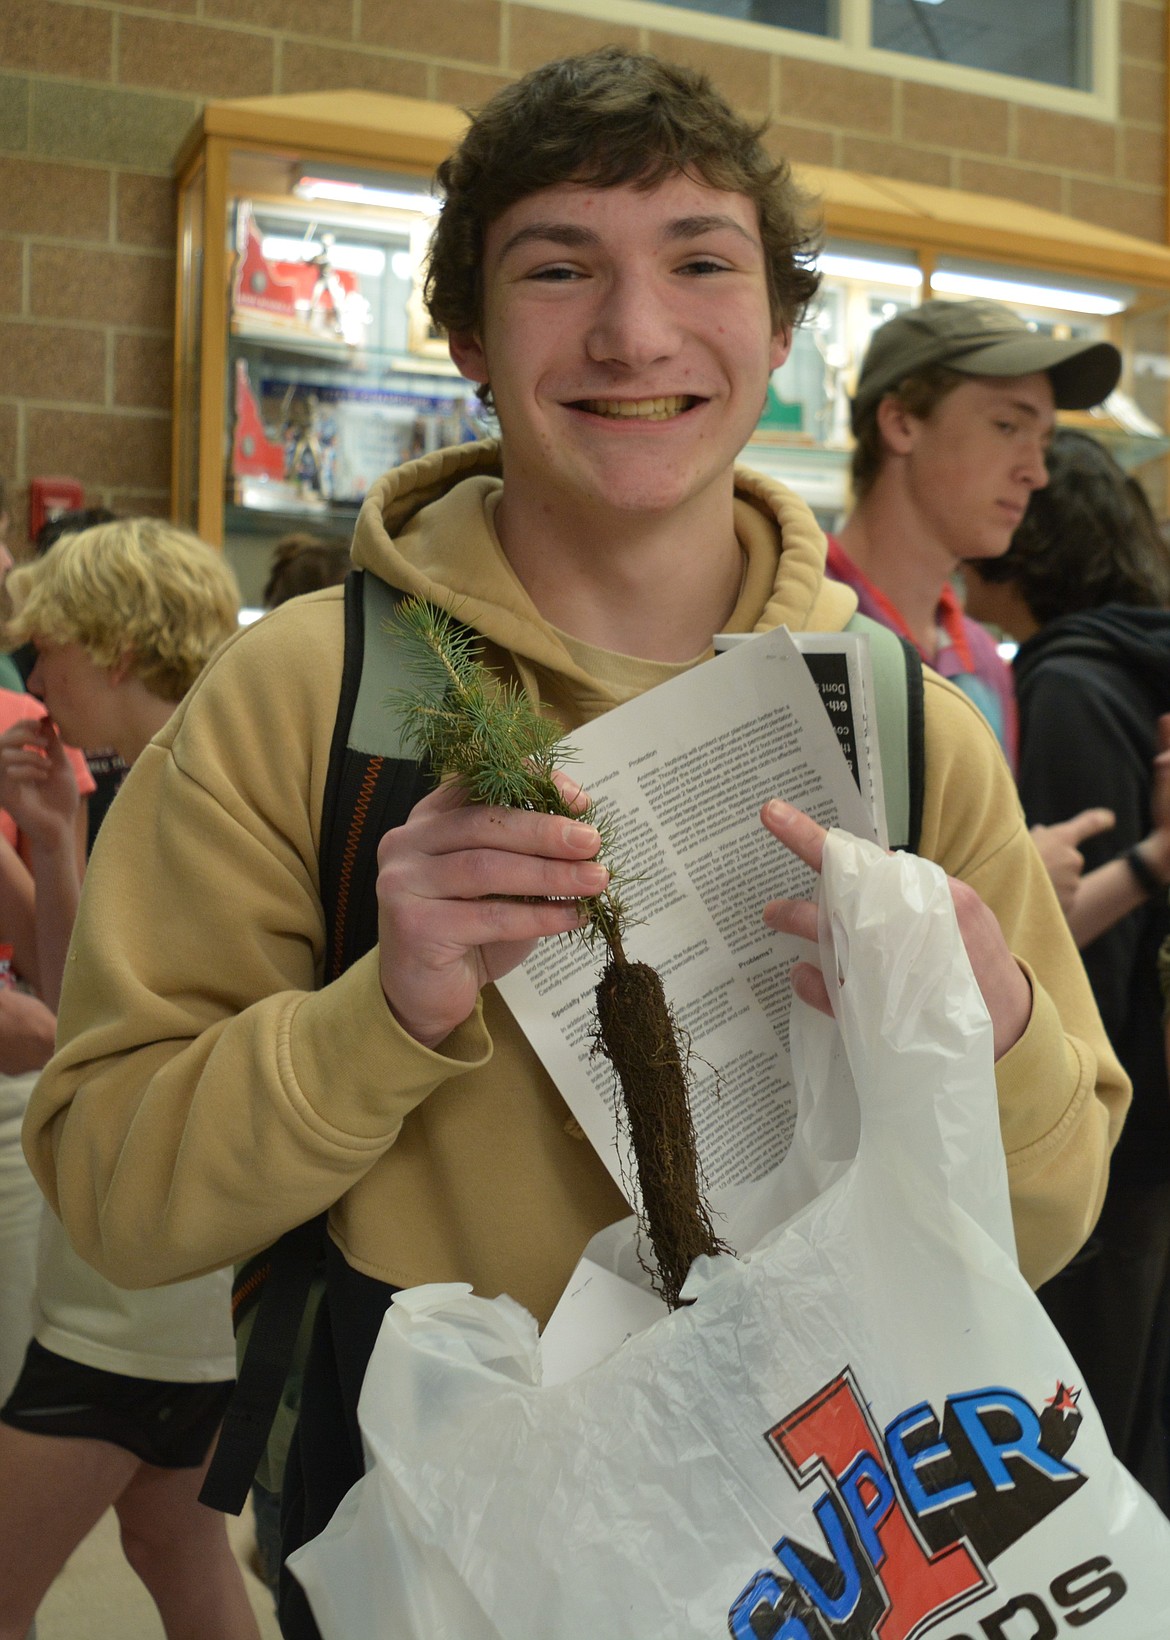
column 981, row 338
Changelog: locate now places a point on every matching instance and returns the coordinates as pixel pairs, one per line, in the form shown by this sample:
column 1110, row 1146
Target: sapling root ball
column 637, row 1033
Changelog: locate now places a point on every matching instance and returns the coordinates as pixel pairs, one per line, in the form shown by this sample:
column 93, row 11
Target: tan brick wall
column 97, row 95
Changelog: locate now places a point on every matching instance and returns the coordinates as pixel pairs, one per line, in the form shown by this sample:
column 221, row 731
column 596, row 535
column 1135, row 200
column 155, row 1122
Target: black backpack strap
column 341, row 801
column 915, row 742
column 276, row 1284
column 899, row 709
column 371, row 785
column 372, row 782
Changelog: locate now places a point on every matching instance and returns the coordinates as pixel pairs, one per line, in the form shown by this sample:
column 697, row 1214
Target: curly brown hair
column 606, row 119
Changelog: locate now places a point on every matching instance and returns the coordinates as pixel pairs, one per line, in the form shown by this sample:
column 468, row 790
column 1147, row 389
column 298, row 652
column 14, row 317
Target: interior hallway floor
column 98, row 1597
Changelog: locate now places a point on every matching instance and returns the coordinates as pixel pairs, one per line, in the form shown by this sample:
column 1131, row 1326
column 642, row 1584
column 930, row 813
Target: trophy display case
column 305, row 362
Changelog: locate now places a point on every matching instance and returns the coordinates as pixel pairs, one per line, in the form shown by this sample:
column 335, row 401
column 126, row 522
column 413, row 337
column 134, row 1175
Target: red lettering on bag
column 829, row 1434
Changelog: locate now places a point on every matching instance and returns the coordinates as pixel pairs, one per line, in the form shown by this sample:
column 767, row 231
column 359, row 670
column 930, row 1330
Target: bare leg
column 181, row 1551
column 53, row 1491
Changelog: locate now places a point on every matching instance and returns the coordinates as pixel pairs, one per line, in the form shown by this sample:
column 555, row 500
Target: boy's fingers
column 571, row 790
column 451, row 793
column 809, row 984
column 797, row 917
column 796, row 831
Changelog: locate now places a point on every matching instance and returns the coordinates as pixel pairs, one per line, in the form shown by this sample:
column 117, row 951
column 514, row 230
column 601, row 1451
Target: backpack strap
column 371, row 785
column 900, row 711
column 272, row 1289
column 372, row 782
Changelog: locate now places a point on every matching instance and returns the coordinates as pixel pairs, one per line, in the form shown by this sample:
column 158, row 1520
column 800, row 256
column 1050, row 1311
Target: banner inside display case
column 306, row 444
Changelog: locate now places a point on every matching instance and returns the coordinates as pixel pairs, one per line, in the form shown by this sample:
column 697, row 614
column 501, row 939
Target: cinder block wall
column 97, row 95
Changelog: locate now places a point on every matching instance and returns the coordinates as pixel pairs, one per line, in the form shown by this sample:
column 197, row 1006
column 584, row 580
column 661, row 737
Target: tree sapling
column 467, row 724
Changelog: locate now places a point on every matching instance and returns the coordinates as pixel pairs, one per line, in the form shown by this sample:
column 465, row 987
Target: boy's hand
column 465, row 893
column 999, row 976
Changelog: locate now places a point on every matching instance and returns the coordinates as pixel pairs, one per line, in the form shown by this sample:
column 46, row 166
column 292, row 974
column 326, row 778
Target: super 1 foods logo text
column 912, row 1519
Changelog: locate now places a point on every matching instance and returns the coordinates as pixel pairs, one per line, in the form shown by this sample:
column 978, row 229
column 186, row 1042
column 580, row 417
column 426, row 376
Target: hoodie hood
column 1135, row 641
column 427, row 529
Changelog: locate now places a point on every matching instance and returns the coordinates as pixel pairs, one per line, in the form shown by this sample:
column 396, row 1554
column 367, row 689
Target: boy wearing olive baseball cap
column 954, row 408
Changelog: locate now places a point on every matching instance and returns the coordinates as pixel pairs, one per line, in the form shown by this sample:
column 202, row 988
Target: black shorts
column 169, row 1425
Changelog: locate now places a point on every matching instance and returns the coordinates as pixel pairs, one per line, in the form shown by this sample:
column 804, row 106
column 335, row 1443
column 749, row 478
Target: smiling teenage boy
column 620, row 264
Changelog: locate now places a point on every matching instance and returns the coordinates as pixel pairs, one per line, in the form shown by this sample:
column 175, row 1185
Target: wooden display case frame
column 342, row 129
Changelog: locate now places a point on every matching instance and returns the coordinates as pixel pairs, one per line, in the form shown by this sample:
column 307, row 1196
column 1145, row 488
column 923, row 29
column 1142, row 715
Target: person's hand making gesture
column 39, row 790
column 37, row 784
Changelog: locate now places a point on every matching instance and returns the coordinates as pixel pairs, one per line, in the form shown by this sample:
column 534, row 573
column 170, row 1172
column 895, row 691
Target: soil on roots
column 638, row 1035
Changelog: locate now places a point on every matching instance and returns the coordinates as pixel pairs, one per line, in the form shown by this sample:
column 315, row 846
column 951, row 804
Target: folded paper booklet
column 839, row 664
column 684, row 769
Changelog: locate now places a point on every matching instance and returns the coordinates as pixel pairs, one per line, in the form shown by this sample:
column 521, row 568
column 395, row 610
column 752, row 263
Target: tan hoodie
column 207, row 1096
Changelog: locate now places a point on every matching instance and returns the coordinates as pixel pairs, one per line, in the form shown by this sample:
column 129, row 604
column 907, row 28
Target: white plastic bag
column 866, row 1428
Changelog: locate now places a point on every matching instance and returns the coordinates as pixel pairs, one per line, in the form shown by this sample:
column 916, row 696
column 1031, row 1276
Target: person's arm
column 26, row 1032
column 1059, row 846
column 38, row 788
column 207, row 1095
column 1104, row 896
column 18, row 913
column 58, row 890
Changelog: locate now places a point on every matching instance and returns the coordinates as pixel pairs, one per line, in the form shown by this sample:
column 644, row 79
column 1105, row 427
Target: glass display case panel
column 803, row 437
column 334, row 374
column 1053, row 303
column 1146, row 381
column 306, row 365
column 860, row 289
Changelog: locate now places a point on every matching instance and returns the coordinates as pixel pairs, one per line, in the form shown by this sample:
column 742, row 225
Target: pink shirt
column 965, row 652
